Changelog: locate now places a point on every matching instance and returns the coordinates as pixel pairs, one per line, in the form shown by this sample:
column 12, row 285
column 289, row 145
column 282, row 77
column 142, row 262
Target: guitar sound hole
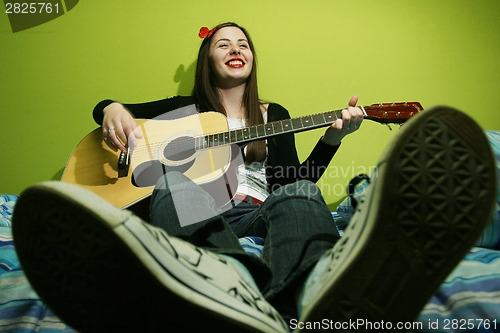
column 180, row 149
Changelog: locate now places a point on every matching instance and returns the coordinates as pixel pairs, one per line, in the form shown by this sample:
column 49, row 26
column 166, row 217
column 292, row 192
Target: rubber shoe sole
column 431, row 196
column 102, row 269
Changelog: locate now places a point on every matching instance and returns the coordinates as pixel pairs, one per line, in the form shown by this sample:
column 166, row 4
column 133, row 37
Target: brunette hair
column 208, row 98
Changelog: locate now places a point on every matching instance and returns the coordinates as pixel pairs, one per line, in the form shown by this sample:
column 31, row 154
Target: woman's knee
column 168, row 185
column 170, row 179
column 302, row 189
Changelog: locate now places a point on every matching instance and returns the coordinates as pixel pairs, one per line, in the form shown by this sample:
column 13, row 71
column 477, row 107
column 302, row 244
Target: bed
column 467, row 301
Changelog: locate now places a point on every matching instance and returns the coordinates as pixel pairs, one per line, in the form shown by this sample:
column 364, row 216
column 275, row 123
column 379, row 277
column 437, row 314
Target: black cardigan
column 283, row 165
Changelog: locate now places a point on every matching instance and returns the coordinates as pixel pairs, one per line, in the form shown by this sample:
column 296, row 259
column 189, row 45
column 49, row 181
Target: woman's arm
column 284, row 166
column 118, row 120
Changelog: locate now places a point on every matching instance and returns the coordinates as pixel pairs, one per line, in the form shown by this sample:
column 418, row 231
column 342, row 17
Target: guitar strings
column 305, row 122
column 203, row 142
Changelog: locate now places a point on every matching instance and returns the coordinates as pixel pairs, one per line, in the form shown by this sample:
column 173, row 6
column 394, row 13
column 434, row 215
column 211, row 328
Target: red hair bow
column 205, row 32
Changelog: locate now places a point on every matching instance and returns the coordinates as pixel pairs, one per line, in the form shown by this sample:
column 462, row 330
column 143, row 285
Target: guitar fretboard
column 264, row 131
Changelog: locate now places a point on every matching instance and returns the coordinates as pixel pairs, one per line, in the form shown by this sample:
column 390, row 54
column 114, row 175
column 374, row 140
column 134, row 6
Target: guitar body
column 167, row 145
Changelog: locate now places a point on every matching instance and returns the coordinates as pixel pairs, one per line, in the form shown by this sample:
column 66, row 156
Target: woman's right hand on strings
column 119, row 128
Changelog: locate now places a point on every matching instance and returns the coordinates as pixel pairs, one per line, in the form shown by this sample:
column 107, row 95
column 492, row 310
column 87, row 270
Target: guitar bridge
column 124, row 163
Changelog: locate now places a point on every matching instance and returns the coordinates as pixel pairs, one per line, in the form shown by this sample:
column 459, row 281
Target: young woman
column 103, row 269
column 294, row 220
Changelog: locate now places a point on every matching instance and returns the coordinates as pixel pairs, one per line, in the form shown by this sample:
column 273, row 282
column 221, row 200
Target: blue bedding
column 21, row 310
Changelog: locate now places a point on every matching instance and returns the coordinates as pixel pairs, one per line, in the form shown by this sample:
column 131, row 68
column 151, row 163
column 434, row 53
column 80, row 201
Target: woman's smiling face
column 230, row 56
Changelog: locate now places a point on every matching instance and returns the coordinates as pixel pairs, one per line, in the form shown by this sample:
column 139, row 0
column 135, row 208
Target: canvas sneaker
column 102, row 269
column 431, row 196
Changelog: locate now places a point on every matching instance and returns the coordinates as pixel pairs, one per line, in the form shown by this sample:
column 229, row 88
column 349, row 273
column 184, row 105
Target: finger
column 338, row 124
column 112, row 137
column 346, row 116
column 133, row 133
column 353, row 101
column 121, row 135
column 360, row 117
column 110, row 144
column 356, row 118
column 119, row 138
column 107, row 140
column 355, row 112
column 138, row 132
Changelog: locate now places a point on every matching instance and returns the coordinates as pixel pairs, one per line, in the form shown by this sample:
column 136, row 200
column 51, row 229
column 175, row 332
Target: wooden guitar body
column 165, row 146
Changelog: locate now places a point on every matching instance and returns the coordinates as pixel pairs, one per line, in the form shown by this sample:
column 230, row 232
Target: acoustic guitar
column 200, row 146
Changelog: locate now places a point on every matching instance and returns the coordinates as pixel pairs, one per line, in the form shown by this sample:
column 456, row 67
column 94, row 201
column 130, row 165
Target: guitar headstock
column 392, row 113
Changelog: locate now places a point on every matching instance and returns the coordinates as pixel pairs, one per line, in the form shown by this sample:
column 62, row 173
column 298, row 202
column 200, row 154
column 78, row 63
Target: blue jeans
column 294, row 221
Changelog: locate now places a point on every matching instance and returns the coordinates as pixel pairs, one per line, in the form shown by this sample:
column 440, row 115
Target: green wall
column 313, row 55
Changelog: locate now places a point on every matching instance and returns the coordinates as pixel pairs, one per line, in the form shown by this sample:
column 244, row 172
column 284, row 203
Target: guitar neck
column 383, row 113
column 260, row 132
